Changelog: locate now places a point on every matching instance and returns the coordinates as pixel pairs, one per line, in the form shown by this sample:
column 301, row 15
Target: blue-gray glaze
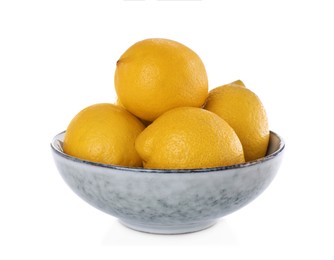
column 172, row 202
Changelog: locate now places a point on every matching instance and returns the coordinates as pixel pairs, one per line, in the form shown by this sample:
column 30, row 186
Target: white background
column 57, row 57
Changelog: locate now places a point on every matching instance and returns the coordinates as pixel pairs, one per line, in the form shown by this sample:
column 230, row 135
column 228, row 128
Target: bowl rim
column 168, row 171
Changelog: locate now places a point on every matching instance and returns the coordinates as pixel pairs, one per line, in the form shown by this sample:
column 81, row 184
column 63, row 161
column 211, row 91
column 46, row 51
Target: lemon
column 188, row 137
column 156, row 75
column 243, row 111
column 104, row 133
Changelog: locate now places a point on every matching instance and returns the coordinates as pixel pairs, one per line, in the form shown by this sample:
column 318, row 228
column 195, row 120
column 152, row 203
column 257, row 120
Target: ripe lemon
column 244, row 112
column 104, row 133
column 188, row 137
column 155, row 75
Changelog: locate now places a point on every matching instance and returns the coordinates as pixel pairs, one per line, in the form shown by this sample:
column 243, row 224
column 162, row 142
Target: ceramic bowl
column 168, row 201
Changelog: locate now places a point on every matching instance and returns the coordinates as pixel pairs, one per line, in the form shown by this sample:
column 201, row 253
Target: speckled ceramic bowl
column 168, row 201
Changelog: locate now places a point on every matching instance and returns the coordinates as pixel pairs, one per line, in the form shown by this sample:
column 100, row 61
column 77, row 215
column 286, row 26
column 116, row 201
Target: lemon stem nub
column 238, row 82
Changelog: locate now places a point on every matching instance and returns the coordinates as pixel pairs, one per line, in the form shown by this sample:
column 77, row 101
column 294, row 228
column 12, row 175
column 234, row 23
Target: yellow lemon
column 104, row 133
column 188, row 137
column 244, row 112
column 155, row 75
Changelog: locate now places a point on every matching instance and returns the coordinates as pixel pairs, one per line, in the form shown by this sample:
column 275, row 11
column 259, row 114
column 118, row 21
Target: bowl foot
column 168, row 229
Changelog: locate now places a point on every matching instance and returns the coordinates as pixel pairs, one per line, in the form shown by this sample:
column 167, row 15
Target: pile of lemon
column 165, row 117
